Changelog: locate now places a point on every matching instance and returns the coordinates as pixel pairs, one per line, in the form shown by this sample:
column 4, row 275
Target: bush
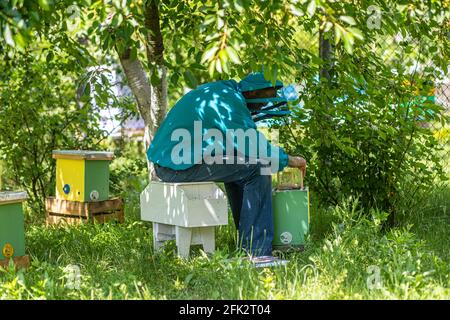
column 366, row 138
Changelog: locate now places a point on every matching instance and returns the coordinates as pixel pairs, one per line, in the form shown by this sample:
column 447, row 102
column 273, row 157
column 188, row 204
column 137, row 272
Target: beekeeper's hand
column 297, row 162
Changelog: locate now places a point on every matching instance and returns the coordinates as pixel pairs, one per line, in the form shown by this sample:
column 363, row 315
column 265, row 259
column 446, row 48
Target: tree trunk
column 155, row 57
column 151, row 100
column 138, row 82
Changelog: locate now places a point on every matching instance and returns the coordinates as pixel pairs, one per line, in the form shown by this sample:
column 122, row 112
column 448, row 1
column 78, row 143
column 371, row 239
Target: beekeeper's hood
column 273, row 105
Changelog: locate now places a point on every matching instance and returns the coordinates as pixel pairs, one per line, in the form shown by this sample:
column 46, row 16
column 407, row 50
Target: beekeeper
column 210, row 135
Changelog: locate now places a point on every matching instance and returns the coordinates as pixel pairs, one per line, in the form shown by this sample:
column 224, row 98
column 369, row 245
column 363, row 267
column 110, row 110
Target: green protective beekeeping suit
column 216, row 105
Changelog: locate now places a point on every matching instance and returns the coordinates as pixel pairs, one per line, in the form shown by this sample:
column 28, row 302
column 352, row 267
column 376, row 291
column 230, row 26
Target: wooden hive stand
column 82, row 189
column 12, row 232
column 74, row 212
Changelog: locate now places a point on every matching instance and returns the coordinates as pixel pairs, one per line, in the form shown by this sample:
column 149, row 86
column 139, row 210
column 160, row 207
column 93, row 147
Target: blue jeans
column 249, row 194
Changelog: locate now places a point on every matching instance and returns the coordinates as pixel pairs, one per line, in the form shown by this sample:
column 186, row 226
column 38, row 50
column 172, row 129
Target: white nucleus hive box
column 186, row 212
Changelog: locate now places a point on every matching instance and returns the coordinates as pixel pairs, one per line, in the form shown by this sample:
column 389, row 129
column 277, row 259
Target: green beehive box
column 82, row 176
column 12, row 233
column 291, row 215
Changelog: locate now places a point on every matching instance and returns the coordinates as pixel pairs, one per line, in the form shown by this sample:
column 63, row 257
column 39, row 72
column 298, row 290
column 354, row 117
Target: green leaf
column 190, row 79
column 8, row 36
column 348, row 42
column 356, row 33
column 316, row 60
column 223, row 56
column 238, row 5
column 87, row 90
column 338, row 31
column 212, row 37
column 233, row 55
column 225, row 67
column 117, row 20
column 311, row 8
column 104, row 80
column 211, row 68
column 49, row 57
column 328, row 26
column 45, row 4
column 259, row 28
column 174, row 78
column 296, row 11
column 218, row 65
column 220, row 23
column 209, row 54
column 274, row 75
column 34, row 16
column 199, row 66
column 348, row 20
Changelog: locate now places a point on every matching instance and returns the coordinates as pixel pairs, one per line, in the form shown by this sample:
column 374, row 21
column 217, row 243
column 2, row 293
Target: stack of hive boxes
column 82, row 189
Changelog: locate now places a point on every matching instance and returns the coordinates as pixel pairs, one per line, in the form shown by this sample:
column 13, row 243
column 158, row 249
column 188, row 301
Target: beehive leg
column 157, row 245
column 208, row 240
column 161, row 233
column 183, row 239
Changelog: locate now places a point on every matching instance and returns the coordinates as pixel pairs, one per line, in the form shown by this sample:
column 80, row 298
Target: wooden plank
column 97, row 218
column 73, row 208
column 73, row 212
column 121, row 215
column 104, row 206
column 83, row 209
column 82, row 155
column 19, row 262
column 100, row 218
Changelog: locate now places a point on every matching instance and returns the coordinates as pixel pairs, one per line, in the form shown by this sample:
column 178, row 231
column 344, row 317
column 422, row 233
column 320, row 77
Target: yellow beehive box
column 82, row 175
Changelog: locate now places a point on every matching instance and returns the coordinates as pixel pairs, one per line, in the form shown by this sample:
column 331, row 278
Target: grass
column 345, row 252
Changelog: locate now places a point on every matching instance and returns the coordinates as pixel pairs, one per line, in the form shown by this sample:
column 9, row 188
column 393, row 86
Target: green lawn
column 344, row 253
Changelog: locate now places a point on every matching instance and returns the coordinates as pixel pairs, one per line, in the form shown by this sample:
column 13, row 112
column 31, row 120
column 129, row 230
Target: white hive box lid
column 82, row 155
column 12, row 197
